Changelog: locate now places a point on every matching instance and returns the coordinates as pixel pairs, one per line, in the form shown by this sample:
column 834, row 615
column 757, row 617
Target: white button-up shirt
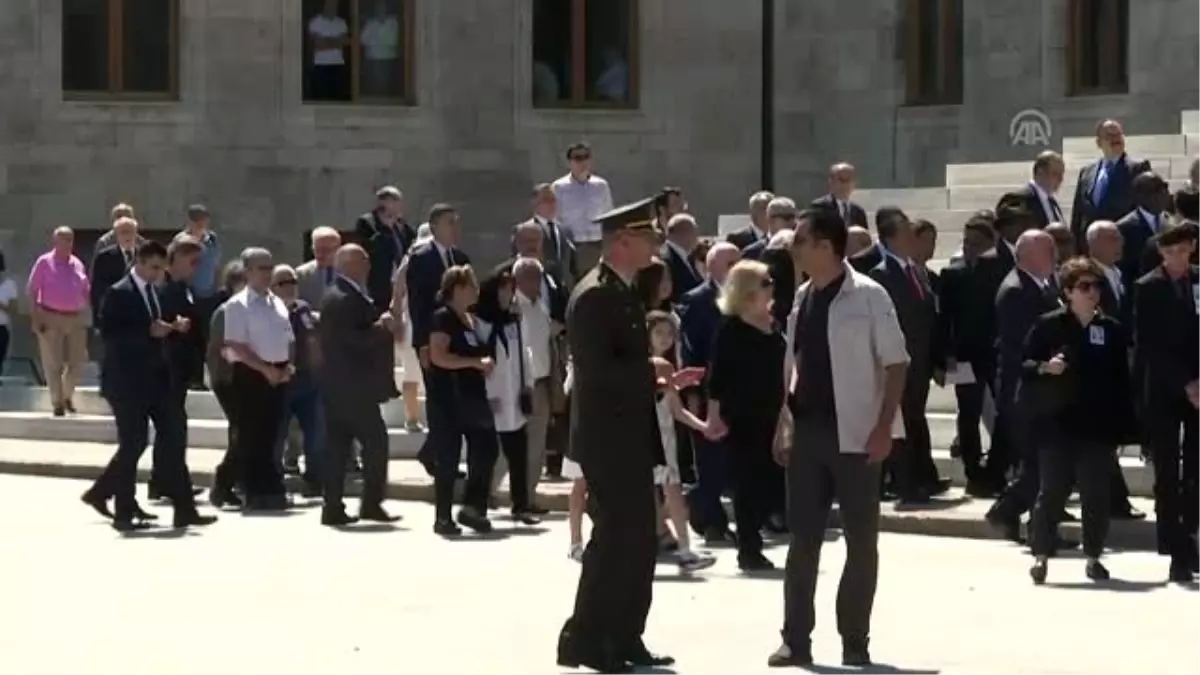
column 141, row 285
column 260, row 321
column 579, row 203
column 535, row 329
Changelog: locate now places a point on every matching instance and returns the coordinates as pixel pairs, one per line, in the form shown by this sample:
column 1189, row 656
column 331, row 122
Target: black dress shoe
column 376, row 514
column 572, row 655
column 1181, row 572
column 470, row 518
column 192, row 519
column 1038, row 572
column 446, row 528
column 855, row 653
column 1096, row 571
column 220, row 497
column 337, row 518
column 142, row 514
column 124, row 525
column 1128, row 512
column 638, row 656
column 1009, row 527
column 755, row 563
column 98, row 505
column 58, row 411
column 939, row 487
column 526, row 517
column 538, row 511
column 718, row 537
column 786, row 657
column 70, row 406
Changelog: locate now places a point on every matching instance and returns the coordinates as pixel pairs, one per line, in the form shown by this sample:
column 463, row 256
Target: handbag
column 525, row 395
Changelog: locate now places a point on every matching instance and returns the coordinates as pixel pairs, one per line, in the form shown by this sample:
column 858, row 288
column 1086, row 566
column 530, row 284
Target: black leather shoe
column 376, row 514
column 1009, row 527
column 786, row 657
column 58, row 411
column 125, row 525
column 1038, row 572
column 638, row 656
column 446, row 528
column 755, row 563
column 220, row 497
column 192, row 519
column 469, row 518
column 980, row 490
column 337, row 518
column 142, row 514
column 1096, row 571
column 526, row 517
column 98, row 505
column 939, row 487
column 1180, row 571
column 538, row 511
column 855, row 653
column 571, row 655
column 717, row 537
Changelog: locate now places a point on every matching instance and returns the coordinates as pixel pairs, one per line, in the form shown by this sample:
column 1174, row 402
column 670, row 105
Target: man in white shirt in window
column 381, row 67
column 328, row 37
column 582, row 196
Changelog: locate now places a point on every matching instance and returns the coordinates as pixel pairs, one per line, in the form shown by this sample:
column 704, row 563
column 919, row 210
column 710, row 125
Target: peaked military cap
column 635, row 217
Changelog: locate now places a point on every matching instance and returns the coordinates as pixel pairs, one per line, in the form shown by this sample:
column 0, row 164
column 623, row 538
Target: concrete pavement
column 282, row 594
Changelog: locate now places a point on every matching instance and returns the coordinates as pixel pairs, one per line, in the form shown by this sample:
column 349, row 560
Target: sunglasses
column 1087, row 285
column 580, row 158
column 286, row 282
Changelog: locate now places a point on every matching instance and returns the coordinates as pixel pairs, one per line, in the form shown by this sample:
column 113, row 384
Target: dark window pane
column 327, row 37
column 606, row 53
column 381, row 38
column 929, row 30
column 954, row 57
column 147, row 41
column 85, row 45
column 551, row 51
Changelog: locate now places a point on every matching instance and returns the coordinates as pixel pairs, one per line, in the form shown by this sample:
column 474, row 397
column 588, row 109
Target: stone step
column 1189, row 122
column 1008, row 175
column 201, row 405
column 1157, row 145
column 202, row 433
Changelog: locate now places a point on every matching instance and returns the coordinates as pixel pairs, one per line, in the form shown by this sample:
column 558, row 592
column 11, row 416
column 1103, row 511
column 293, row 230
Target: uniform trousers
column 617, row 576
column 259, row 406
column 818, row 472
column 755, row 475
column 1176, row 503
column 1063, row 459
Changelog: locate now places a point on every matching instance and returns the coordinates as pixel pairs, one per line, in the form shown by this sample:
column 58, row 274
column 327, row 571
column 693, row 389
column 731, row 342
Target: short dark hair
column 150, row 249
column 1148, row 182
column 1076, row 269
column 700, row 251
column 827, row 225
column 578, row 146
column 456, row 277
column 921, row 226
column 981, row 224
column 197, row 211
column 647, row 281
column 438, row 211
column 233, row 275
column 1177, row 234
column 886, row 220
column 663, row 198
column 1045, row 159
column 183, row 244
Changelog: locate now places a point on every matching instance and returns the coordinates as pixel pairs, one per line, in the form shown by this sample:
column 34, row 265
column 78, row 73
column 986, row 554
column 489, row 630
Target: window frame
column 407, row 15
column 578, row 63
column 1076, row 58
column 116, row 60
column 947, row 92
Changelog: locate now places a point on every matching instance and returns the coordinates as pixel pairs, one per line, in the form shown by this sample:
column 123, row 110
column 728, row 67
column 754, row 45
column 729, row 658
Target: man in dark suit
column 676, row 253
column 914, row 475
column 781, row 215
column 615, row 378
column 111, row 263
column 757, row 229
column 355, row 338
column 136, row 382
column 1104, row 190
column 1151, row 197
column 841, row 188
column 556, row 250
column 386, row 237
column 528, row 242
column 1025, row 294
column 964, row 306
column 886, row 218
column 428, row 261
column 1038, row 195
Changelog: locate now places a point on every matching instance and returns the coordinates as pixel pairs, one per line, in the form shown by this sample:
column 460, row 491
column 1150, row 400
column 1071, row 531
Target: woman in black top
column 459, row 362
column 745, row 390
column 1076, row 385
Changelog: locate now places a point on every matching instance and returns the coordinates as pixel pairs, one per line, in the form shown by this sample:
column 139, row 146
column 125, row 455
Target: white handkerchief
column 963, row 373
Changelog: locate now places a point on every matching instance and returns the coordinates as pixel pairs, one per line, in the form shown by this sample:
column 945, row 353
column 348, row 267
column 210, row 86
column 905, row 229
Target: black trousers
column 346, row 422
column 617, row 577
column 133, row 416
column 1027, row 435
column 259, row 406
column 755, row 474
column 5, row 340
column 228, row 473
column 912, row 466
column 1063, row 460
column 1176, row 503
column 712, row 476
column 970, row 412
column 1008, row 442
column 446, row 435
column 817, row 474
column 173, row 441
column 515, row 446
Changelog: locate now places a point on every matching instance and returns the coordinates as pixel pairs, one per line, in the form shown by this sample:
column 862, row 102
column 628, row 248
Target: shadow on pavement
column 1117, row 585
column 873, row 668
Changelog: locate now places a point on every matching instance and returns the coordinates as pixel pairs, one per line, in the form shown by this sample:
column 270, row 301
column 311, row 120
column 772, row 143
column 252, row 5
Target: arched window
column 933, row 49
column 1097, row 47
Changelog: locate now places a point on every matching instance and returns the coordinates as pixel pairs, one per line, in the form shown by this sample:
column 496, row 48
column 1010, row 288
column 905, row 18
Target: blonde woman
column 745, row 395
column 406, row 356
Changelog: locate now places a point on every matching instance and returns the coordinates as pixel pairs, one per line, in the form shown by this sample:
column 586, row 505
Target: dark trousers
column 1063, row 460
column 1026, row 435
column 446, row 436
column 1008, row 437
column 228, row 473
column 515, row 446
column 970, row 413
column 169, row 441
column 346, row 422
column 912, row 467
column 302, row 401
column 133, row 416
column 617, row 576
column 1176, row 505
column 755, row 474
column 204, row 311
column 817, row 474
column 259, row 406
column 712, row 476
column 5, row 340
column 427, row 455
column 1118, row 494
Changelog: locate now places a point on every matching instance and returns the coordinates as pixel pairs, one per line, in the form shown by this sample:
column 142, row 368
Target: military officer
column 615, row 440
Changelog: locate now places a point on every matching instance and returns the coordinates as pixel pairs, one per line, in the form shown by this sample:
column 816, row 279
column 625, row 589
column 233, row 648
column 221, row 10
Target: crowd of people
column 618, row 348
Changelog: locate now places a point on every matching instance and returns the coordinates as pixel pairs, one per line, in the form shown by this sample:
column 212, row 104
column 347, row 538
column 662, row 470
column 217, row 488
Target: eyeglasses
column 286, row 282
column 1087, row 285
column 790, row 217
column 580, row 158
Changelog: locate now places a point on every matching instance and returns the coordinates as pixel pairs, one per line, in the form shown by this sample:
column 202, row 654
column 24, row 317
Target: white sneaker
column 689, row 561
column 576, row 553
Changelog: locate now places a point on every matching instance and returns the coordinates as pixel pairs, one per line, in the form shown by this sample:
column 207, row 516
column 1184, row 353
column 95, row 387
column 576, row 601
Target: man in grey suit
column 558, row 251
column 314, row 276
column 355, row 377
column 914, row 475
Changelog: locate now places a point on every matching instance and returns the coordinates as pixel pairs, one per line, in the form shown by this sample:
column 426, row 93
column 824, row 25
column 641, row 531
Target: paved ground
column 283, row 594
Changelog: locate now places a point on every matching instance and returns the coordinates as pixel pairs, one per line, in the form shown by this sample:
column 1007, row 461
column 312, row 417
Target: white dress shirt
column 536, row 329
column 580, row 202
column 146, row 290
column 260, row 321
column 1044, row 198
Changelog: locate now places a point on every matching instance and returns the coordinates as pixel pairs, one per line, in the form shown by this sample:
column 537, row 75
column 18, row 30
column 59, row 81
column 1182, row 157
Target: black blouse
column 746, row 372
column 465, row 385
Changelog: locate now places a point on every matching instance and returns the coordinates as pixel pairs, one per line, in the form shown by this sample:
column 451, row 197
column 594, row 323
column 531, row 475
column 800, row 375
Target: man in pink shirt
column 58, row 296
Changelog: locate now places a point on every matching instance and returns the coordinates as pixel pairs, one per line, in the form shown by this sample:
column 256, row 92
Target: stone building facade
column 237, row 135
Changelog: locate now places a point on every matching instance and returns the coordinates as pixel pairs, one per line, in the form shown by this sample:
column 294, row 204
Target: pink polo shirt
column 58, row 285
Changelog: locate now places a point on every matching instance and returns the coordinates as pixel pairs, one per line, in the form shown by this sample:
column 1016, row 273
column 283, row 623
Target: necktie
column 128, row 257
column 916, row 282
column 845, row 212
column 152, row 303
column 1100, row 186
column 552, row 229
column 449, row 259
column 1055, row 211
column 328, row 276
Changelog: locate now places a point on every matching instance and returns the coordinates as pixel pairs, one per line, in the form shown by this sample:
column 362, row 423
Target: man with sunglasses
column 302, row 399
column 582, row 197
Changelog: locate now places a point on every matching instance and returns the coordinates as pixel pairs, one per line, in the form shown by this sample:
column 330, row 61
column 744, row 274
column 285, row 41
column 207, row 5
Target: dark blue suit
column 684, row 276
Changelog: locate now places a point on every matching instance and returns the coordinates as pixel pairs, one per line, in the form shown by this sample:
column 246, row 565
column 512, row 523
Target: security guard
column 614, row 438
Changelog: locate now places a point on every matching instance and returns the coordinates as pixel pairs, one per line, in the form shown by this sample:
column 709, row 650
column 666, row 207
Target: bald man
column 355, row 376
column 841, row 188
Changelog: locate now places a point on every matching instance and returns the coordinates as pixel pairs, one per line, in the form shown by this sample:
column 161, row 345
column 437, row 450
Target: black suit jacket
column 1113, row 306
column 783, row 272
column 743, row 237
column 684, row 276
column 867, row 259
column 1033, row 204
column 425, row 270
column 755, row 251
column 185, row 351
column 965, row 313
column 917, row 314
column 108, row 267
column 1118, row 195
column 1136, row 233
column 386, row 249
column 699, row 318
column 858, row 215
column 355, row 352
column 558, row 293
column 1167, row 334
column 1019, row 303
column 134, row 369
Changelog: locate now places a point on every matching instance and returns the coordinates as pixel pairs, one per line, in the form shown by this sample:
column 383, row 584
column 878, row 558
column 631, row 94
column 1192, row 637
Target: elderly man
column 757, row 229
column 111, row 264
column 355, row 338
column 302, row 400
column 1064, row 241
column 259, row 340
column 58, row 292
column 387, row 237
column 858, row 239
column 841, row 188
column 781, row 215
column 119, row 211
column 676, row 252
column 314, row 276
column 559, row 255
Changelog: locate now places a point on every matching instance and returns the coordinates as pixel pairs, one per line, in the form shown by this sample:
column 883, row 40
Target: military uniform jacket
column 613, row 419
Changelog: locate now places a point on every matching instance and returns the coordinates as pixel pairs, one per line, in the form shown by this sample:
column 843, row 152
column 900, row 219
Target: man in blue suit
column 1105, row 187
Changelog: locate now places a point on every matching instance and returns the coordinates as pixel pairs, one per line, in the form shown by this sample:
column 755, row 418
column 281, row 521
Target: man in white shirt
column 382, row 75
column 582, row 196
column 328, row 36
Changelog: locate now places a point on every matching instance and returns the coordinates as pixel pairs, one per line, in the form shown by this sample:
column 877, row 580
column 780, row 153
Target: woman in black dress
column 459, row 364
column 746, row 390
